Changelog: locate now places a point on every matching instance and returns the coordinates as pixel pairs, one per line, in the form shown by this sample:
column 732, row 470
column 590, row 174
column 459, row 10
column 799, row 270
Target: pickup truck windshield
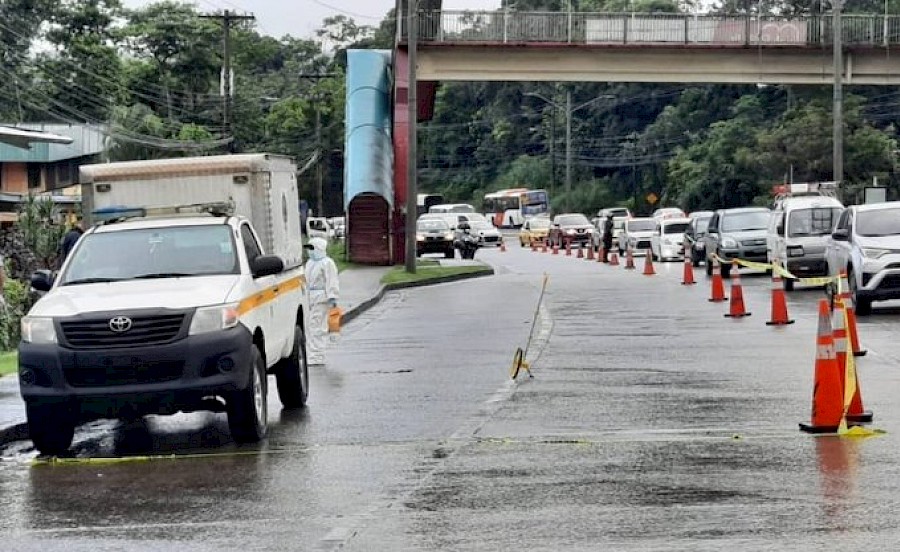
column 153, row 253
column 746, row 220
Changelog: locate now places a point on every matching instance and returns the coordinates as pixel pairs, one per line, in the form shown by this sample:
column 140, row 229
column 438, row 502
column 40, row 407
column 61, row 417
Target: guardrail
column 504, row 27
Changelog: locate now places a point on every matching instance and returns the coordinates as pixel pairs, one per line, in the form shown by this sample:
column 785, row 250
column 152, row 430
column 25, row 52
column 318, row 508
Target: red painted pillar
column 401, row 151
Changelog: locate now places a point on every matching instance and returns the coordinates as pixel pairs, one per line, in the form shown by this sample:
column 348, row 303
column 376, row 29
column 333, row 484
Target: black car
column 693, row 236
column 434, row 236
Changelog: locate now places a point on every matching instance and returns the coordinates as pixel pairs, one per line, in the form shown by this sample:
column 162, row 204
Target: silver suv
column 736, row 234
column 866, row 243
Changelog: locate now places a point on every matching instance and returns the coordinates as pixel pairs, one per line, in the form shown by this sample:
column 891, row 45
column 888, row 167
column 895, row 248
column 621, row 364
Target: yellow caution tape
column 781, row 271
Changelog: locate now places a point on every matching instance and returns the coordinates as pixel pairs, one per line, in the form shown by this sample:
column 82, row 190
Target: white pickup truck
column 185, row 294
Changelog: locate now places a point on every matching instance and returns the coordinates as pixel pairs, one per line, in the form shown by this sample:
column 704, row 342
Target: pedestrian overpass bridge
column 640, row 47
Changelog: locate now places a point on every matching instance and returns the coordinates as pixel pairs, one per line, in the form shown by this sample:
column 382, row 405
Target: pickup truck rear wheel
column 292, row 374
column 247, row 408
column 51, row 427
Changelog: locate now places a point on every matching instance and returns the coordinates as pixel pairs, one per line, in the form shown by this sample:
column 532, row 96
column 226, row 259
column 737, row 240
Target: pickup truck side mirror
column 841, row 234
column 266, row 265
column 42, row 280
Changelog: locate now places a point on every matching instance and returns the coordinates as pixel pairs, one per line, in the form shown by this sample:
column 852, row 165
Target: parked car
column 571, row 227
column 798, row 232
column 693, row 236
column 738, row 233
column 486, row 233
column 433, row 235
column 866, row 243
column 636, row 235
column 338, row 227
column 668, row 212
column 618, row 227
column 534, row 230
column 668, row 238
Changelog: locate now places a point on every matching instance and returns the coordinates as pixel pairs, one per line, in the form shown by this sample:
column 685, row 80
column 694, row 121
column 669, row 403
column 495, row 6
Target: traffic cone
column 736, row 308
column 533, row 246
column 688, row 277
column 544, row 246
column 629, row 259
column 855, row 412
column 827, row 401
column 851, row 317
column 589, row 254
column 555, row 248
column 568, row 248
column 779, row 302
column 648, row 264
column 580, row 254
column 613, row 259
column 502, row 246
column 601, row 255
column 717, row 291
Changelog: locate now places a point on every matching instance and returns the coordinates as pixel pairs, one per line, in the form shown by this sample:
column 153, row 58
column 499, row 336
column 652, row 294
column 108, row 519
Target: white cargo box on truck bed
column 262, row 187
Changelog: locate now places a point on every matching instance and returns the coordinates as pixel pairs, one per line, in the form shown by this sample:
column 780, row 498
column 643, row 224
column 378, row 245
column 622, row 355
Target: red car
column 571, row 227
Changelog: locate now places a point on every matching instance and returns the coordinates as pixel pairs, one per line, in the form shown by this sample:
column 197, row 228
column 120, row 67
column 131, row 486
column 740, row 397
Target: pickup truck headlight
column 215, row 318
column 874, row 252
column 729, row 243
column 38, row 330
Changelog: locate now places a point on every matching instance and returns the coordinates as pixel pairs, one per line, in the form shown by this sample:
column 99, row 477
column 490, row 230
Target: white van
column 797, row 233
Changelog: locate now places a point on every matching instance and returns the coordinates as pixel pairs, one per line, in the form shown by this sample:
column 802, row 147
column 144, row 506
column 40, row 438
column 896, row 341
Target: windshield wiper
column 154, row 275
column 92, row 281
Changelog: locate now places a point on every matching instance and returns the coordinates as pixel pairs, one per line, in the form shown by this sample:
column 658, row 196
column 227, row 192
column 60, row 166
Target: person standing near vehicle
column 70, row 239
column 323, row 287
column 607, row 237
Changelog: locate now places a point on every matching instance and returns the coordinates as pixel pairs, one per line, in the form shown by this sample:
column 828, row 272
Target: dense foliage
column 153, row 75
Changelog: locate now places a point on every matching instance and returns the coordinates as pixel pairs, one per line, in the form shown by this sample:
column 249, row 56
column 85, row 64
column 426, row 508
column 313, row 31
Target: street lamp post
column 569, row 111
column 838, row 110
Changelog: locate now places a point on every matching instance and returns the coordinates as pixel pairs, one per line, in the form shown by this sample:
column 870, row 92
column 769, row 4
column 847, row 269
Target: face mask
column 316, row 255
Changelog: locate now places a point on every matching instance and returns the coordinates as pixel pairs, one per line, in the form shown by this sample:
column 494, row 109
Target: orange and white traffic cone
column 568, row 248
column 502, row 246
column 648, row 264
column 602, row 254
column 555, row 248
column 687, row 279
column 851, row 316
column 629, row 259
column 779, row 302
column 613, row 259
column 855, row 412
column 544, row 246
column 736, row 307
column 827, row 401
column 589, row 254
column 580, row 254
column 533, row 246
column 717, row 290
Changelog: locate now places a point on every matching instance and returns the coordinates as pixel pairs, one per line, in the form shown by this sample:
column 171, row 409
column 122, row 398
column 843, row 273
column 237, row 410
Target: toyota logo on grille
column 120, row 324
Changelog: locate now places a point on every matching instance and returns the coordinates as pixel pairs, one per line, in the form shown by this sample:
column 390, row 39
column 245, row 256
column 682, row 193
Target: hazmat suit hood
column 317, row 244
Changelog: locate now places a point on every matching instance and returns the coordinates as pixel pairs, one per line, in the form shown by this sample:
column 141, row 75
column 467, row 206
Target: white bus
column 509, row 208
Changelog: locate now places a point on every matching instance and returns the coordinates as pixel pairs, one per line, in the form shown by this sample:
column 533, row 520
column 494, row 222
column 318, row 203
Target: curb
column 350, row 314
column 19, row 432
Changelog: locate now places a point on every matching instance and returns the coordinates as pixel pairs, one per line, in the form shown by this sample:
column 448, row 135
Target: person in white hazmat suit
column 323, row 287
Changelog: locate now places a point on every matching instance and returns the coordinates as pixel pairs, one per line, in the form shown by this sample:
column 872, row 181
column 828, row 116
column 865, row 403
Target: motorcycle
column 467, row 243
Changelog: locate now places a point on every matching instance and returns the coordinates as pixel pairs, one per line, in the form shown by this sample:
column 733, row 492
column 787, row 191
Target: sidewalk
column 360, row 289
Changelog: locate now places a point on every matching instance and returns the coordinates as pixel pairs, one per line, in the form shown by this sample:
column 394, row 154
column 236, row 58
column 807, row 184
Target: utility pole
column 568, row 148
column 227, row 18
column 838, row 112
column 320, row 178
column 412, row 113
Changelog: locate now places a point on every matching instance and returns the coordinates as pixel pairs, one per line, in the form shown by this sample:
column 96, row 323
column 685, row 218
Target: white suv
column 866, row 243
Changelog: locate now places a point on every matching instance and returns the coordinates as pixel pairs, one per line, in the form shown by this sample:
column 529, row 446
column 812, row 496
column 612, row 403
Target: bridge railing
column 503, row 26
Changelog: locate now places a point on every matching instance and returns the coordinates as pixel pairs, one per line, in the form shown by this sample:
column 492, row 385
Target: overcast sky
column 301, row 18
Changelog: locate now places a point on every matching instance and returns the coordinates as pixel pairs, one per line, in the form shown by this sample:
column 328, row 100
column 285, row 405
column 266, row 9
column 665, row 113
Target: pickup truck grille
column 145, row 330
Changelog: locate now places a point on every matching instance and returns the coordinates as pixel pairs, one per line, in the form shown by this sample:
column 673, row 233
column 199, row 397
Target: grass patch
column 9, row 363
column 398, row 275
column 337, row 250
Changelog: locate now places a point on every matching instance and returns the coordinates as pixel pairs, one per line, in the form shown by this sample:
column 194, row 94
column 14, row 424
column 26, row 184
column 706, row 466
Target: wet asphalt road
column 652, row 423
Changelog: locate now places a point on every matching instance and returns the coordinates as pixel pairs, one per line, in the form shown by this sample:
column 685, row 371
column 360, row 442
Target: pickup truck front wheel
column 247, row 408
column 292, row 374
column 51, row 427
